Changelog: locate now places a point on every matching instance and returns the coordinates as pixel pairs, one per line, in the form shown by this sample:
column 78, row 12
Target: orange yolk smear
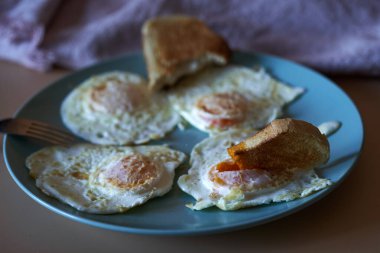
column 227, row 165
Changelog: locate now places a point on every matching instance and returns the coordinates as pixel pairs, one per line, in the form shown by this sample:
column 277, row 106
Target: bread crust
column 283, row 144
column 178, row 45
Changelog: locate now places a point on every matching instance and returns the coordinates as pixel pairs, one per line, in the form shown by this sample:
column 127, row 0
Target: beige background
column 347, row 220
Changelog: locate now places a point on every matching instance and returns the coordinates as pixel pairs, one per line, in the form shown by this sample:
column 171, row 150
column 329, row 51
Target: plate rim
column 193, row 231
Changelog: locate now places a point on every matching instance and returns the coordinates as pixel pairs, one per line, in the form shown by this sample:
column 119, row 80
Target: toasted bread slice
column 175, row 46
column 283, row 144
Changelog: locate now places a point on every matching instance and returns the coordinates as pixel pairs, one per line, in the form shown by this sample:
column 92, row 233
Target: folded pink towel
column 341, row 36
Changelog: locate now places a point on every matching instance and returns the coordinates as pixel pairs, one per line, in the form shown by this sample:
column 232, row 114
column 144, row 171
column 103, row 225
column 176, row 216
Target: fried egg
column 104, row 179
column 233, row 97
column 214, row 180
column 117, row 108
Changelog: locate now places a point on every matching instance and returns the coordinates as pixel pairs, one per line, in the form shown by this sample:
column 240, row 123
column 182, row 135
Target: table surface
column 347, row 220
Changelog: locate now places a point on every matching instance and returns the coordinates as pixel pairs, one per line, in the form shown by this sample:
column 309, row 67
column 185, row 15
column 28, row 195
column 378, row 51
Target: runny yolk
column 218, row 171
column 229, row 173
column 227, row 165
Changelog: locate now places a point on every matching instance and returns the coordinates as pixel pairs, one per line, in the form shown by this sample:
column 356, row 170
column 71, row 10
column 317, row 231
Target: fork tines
column 51, row 134
column 36, row 129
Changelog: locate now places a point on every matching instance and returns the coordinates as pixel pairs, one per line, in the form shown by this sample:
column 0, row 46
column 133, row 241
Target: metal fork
column 36, row 129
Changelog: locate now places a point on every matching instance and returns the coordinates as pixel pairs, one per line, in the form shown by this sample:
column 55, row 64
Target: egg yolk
column 227, row 165
column 132, row 171
column 113, row 97
column 228, row 173
column 222, row 109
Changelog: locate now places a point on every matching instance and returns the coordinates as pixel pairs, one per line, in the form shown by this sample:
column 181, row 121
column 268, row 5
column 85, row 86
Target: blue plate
column 323, row 101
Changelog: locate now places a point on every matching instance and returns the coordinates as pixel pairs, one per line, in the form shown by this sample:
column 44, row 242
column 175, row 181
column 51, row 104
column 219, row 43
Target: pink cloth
column 341, row 36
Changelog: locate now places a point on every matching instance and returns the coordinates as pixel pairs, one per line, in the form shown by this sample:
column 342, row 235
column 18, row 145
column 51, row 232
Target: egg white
column 73, row 175
column 266, row 96
column 150, row 116
column 212, row 151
